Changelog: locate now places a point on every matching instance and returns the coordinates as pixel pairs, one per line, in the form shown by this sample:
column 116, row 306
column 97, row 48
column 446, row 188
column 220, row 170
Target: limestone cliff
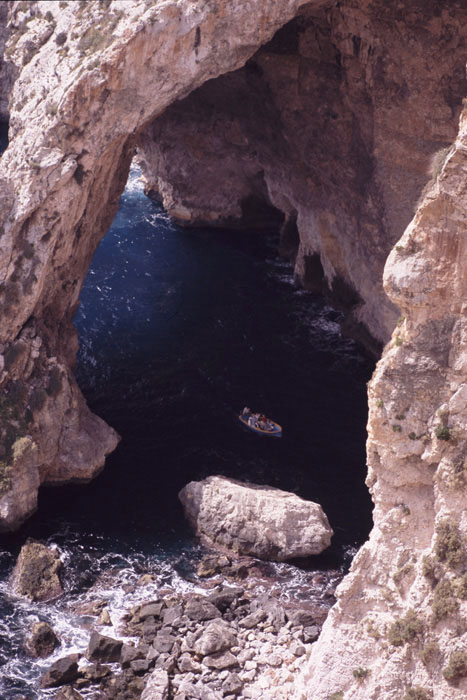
column 353, row 108
column 399, row 627
column 91, row 75
column 335, row 123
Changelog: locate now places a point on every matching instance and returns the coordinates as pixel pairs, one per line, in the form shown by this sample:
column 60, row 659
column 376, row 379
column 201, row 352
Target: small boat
column 260, row 424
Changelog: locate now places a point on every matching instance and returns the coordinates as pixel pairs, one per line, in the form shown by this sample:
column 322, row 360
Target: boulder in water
column 36, row 573
column 103, row 649
column 42, row 640
column 261, row 521
column 63, row 671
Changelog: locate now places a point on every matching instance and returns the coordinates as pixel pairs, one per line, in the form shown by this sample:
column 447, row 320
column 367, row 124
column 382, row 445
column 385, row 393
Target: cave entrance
column 179, row 329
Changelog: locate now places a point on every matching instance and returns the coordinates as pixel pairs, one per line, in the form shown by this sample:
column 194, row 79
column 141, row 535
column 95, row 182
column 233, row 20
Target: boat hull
column 276, row 432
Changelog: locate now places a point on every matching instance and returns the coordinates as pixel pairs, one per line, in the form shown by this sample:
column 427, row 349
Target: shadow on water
column 179, row 330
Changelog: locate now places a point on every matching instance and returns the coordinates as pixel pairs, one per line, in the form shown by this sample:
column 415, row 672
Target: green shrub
column 444, row 603
column 461, row 587
column 51, row 108
column 401, row 573
column 405, row 629
column 448, row 545
column 442, row 432
column 361, row 673
column 457, row 666
column 429, row 653
column 430, row 568
column 397, row 428
column 380, row 403
column 61, row 38
column 416, row 692
column 459, row 475
column 339, row 695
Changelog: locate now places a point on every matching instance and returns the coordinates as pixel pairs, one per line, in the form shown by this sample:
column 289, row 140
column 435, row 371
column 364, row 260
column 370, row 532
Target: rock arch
column 92, row 75
column 90, row 82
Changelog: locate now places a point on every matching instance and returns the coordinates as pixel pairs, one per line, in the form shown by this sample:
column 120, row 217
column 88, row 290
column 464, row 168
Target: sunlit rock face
column 7, row 69
column 336, row 124
column 338, row 128
column 400, row 619
column 90, row 77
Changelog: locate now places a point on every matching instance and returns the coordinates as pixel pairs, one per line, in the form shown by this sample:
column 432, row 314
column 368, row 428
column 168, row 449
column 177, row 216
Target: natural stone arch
column 417, row 465
column 92, row 75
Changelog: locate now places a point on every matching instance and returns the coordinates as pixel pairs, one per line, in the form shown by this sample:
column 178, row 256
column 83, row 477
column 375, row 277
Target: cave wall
column 89, row 77
column 339, row 122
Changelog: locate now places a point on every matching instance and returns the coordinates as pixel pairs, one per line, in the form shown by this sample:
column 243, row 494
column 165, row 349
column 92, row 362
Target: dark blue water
column 179, row 330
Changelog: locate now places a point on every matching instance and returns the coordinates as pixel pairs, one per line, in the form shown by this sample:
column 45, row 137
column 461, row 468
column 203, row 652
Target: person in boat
column 246, row 412
column 253, row 421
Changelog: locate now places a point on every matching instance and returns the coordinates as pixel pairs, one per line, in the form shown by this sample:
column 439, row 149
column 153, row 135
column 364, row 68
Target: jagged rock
column 304, row 618
column 95, row 672
column 140, row 666
column 128, row 654
column 200, row 609
column 253, row 619
column 211, row 565
column 258, row 520
column 63, row 671
column 103, row 649
column 311, row 634
column 164, row 641
column 217, row 636
column 157, row 686
column 224, row 596
column 220, row 660
column 232, row 684
column 104, row 618
column 172, row 614
column 42, row 640
column 36, row 572
column 68, row 693
column 150, row 610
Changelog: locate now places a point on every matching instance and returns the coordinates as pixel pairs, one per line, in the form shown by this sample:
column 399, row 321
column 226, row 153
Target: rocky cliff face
column 337, row 125
column 7, row 69
column 399, row 627
column 91, row 76
column 342, row 125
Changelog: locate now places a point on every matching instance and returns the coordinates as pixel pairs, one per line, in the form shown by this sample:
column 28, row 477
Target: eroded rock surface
column 381, row 85
column 257, row 520
column 42, row 640
column 91, row 75
column 36, row 573
column 400, row 617
column 337, row 124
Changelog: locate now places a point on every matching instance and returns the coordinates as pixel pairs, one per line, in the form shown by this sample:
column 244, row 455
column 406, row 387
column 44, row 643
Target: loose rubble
column 228, row 642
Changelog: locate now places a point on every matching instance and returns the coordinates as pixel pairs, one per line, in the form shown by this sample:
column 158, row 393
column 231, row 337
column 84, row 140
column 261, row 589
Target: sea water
column 179, row 329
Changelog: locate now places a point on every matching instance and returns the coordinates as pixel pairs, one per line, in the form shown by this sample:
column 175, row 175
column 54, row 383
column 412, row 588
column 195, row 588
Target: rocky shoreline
column 232, row 637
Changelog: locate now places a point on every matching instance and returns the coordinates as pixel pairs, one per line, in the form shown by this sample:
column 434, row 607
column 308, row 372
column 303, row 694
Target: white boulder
column 261, row 521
